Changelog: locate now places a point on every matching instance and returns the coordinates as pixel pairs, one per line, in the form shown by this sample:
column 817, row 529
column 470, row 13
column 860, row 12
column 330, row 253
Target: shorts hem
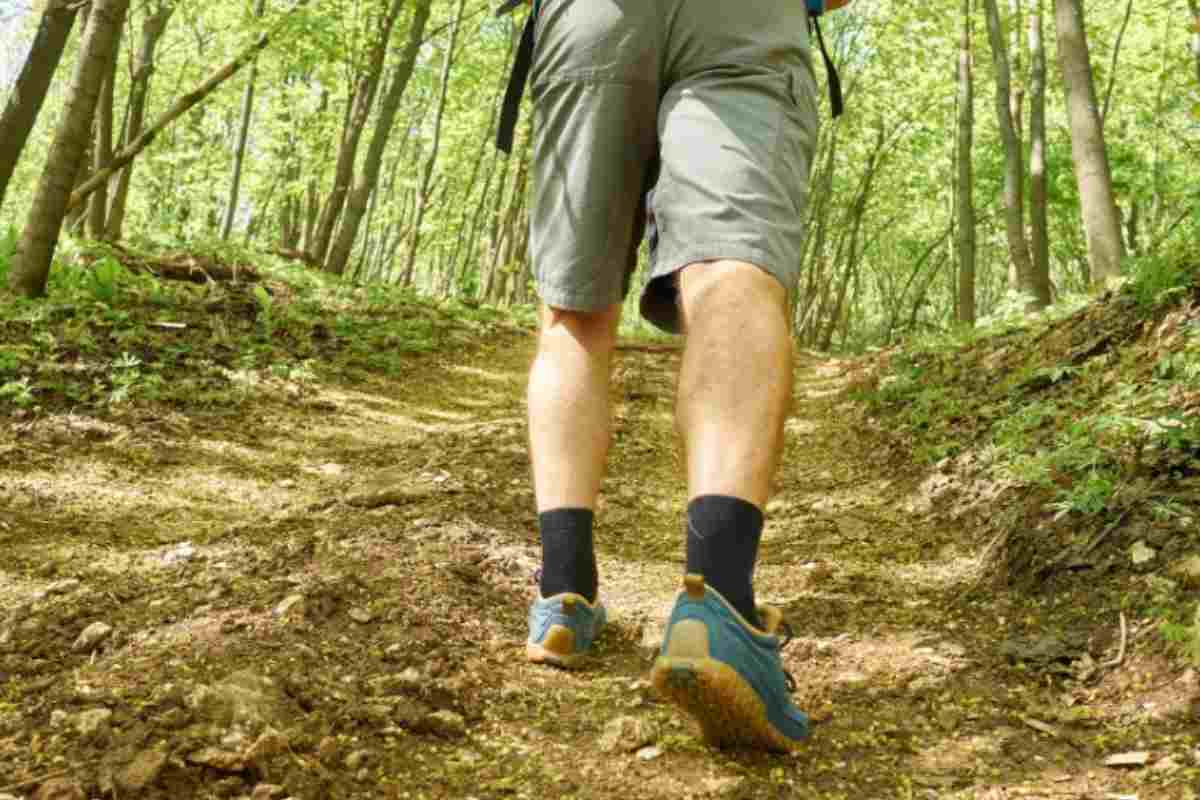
column 717, row 251
column 574, row 300
column 659, row 302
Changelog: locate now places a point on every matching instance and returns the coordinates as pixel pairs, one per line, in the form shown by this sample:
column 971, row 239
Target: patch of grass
column 1065, row 400
column 8, row 248
column 1185, row 636
column 1158, row 278
column 109, row 334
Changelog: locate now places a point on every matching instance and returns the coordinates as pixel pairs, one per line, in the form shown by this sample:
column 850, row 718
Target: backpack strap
column 511, row 107
column 815, row 9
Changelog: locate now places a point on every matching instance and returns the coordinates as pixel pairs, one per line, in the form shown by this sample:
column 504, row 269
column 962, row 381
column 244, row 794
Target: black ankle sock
column 568, row 557
column 722, row 545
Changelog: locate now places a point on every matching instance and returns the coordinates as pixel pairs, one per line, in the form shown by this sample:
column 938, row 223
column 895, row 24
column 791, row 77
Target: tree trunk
column 356, row 204
column 427, row 173
column 152, row 31
column 1016, row 98
column 25, row 102
column 1112, row 67
column 31, row 264
column 239, row 153
column 1194, row 6
column 1014, row 201
column 103, row 153
column 363, row 100
column 1100, row 223
column 1039, row 225
column 965, row 211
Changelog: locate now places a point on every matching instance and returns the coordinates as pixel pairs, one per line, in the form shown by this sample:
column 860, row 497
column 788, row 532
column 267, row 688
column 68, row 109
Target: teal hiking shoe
column 562, row 629
column 727, row 674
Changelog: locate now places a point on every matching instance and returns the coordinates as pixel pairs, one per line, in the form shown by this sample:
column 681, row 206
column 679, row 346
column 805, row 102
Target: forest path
column 360, row 560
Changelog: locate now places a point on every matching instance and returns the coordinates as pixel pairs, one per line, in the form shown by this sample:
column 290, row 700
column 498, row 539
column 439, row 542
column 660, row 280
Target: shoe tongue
column 771, row 618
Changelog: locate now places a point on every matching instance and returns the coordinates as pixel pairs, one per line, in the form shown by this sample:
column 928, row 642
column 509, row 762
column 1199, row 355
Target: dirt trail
column 360, row 559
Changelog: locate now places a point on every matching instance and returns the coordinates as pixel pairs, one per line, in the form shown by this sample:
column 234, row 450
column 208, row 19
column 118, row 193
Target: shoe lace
column 787, row 633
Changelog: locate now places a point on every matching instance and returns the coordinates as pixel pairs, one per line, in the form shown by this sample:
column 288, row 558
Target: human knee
column 595, row 331
column 729, row 288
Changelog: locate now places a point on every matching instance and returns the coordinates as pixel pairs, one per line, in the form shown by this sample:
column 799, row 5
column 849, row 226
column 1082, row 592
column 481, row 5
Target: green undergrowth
column 110, row 332
column 1089, row 414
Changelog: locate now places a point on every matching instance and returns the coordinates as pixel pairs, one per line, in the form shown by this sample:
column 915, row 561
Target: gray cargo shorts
column 692, row 121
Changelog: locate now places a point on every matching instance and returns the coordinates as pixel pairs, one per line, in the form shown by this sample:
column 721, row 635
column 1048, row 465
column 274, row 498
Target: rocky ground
column 322, row 594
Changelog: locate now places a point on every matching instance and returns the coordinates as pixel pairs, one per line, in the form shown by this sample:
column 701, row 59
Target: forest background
column 360, row 141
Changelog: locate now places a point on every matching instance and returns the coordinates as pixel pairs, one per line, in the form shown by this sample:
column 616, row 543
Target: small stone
column 627, row 734
column 356, row 759
column 218, row 759
column 327, row 748
column 143, row 771
column 91, row 637
column 360, row 615
column 1140, row 552
column 952, row 650
column 1166, row 764
column 93, row 724
column 649, row 753
column 59, row 789
column 291, row 606
column 58, row 718
column 1187, row 572
column 61, row 587
column 1135, row 758
column 393, row 652
column 180, row 553
column 409, row 679
column 287, row 484
column 269, row 744
column 446, row 724
column 267, row 791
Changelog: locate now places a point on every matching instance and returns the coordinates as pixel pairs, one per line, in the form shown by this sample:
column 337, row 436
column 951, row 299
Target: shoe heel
column 558, row 648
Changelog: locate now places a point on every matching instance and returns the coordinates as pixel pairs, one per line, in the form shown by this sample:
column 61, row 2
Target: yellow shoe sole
column 557, row 649
column 729, row 711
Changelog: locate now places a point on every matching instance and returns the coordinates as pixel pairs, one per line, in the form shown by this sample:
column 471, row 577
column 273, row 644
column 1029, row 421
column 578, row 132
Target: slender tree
column 1194, row 7
column 965, row 211
column 153, row 28
column 239, row 152
column 102, row 152
column 31, row 264
column 356, row 122
column 25, row 102
column 423, row 190
column 368, row 178
column 1100, row 222
column 1014, row 197
column 1038, row 219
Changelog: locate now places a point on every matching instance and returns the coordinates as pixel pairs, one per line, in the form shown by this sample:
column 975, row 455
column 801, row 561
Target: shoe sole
column 556, row 649
column 730, row 712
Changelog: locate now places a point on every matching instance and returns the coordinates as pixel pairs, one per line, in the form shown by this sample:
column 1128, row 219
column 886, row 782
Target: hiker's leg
column 569, row 406
column 595, row 101
column 734, row 392
column 735, row 383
